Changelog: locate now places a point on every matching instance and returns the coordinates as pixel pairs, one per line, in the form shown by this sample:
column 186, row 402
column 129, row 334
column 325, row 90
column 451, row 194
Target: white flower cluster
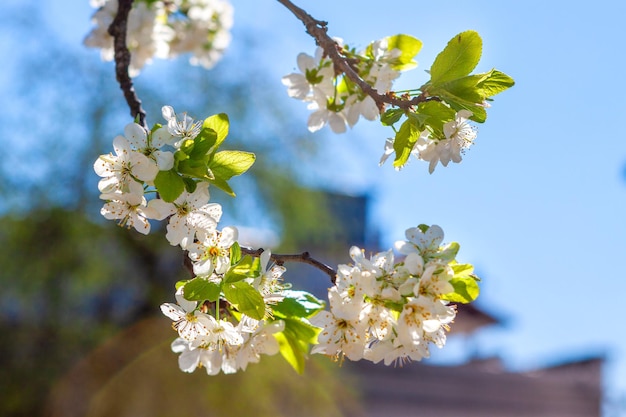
column 386, row 311
column 218, row 344
column 459, row 135
column 127, row 177
column 166, row 29
column 336, row 100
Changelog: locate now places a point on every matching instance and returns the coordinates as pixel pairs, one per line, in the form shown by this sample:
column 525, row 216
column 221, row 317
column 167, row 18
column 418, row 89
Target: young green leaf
column 405, row 140
column 227, row 164
column 409, row 47
column 462, row 270
column 458, row 58
column 465, row 290
column 219, row 124
column 479, row 114
column 494, row 83
column 247, row 267
column 245, row 299
column 222, row 185
column 298, row 304
column 200, row 289
column 203, row 143
column 169, row 185
column 190, row 185
column 448, row 253
column 438, row 114
column 391, row 116
column 294, row 341
column 235, row 253
column 196, row 168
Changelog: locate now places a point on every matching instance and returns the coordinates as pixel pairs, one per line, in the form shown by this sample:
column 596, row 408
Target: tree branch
column 318, row 30
column 303, row 257
column 118, row 30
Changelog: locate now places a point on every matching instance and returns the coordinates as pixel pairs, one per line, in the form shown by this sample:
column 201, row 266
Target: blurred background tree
column 72, row 282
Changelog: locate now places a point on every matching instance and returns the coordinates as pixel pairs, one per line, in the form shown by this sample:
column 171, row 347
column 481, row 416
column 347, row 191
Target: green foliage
column 200, row 289
column 198, row 160
column 465, row 290
column 448, row 253
column 169, row 185
column 245, row 298
column 247, row 267
column 227, row 164
column 458, row 58
column 294, row 341
column 409, row 48
column 219, row 124
column 298, row 304
column 450, row 89
column 405, row 140
column 465, row 284
column 391, row 116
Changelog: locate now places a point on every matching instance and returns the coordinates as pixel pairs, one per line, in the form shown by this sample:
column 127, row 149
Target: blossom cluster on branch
column 166, row 29
column 337, row 100
column 236, row 306
column 383, row 309
column 435, row 116
column 388, row 307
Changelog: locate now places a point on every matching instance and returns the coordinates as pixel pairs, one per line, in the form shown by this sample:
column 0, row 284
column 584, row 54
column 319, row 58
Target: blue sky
column 538, row 203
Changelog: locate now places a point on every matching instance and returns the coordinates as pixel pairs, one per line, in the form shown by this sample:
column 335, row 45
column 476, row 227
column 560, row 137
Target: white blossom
column 150, row 145
column 459, row 135
column 213, row 253
column 191, row 216
column 190, row 323
column 130, row 209
column 126, row 170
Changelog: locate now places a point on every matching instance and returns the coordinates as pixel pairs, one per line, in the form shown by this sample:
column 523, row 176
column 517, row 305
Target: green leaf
column 458, row 58
column 235, row 253
column 219, row 124
column 494, row 83
column 409, row 46
column 294, row 341
column 465, row 290
column 222, row 185
column 227, row 164
column 169, row 185
column 391, row 116
column 448, row 252
column 203, row 143
column 438, row 114
column 181, row 283
column 462, row 270
column 195, row 168
column 298, row 304
column 247, row 267
column 406, row 137
column 245, row 299
column 471, row 91
column 465, row 88
column 190, row 185
column 200, row 289
column 479, row 114
column 187, row 146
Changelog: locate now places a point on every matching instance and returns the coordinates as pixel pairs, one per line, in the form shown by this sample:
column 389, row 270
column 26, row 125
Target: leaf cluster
column 451, row 88
column 236, row 293
column 198, row 159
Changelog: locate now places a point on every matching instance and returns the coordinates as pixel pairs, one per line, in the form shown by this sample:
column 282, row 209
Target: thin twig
column 318, row 30
column 118, row 30
column 303, row 257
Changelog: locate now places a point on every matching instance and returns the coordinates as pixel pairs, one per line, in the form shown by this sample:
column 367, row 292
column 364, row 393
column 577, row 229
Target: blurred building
column 477, row 388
